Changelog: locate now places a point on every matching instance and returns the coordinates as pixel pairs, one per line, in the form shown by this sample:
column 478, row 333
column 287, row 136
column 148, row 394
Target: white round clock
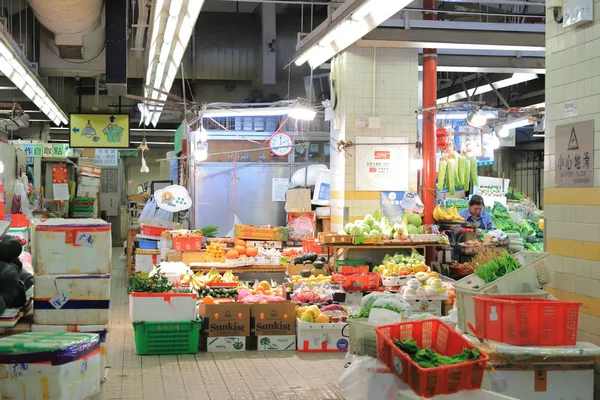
column 281, row 144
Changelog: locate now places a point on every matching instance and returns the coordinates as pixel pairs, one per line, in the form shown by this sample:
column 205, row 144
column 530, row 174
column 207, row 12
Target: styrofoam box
column 71, row 299
column 71, row 246
column 433, row 307
column 573, row 381
column 77, row 379
column 101, row 330
column 162, row 307
column 21, row 233
column 225, row 343
column 466, row 305
column 87, row 191
column 276, row 342
column 312, row 337
column 145, row 262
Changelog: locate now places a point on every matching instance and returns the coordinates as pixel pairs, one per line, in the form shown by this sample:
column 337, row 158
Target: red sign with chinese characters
column 59, row 175
column 382, row 155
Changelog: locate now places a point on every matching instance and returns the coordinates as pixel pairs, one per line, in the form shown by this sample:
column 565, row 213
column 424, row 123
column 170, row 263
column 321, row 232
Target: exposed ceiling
column 224, row 59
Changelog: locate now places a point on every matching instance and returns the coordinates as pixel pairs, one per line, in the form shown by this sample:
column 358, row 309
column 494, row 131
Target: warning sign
column 575, row 155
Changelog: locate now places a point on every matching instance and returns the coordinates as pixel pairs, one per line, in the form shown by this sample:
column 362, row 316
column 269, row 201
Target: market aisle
column 216, row 376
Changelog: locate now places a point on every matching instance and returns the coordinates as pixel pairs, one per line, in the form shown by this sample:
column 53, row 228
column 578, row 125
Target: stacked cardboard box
column 71, row 260
column 225, row 326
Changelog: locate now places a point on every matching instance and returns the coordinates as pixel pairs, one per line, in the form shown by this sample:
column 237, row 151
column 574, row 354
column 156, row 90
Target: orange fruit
column 251, row 251
column 232, row 254
column 240, row 249
column 209, row 300
column 266, row 285
column 239, row 242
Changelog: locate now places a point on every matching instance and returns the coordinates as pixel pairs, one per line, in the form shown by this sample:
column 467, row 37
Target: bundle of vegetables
column 142, row 282
column 491, row 191
column 458, row 203
column 514, row 194
column 497, row 268
column 538, row 246
column 208, row 231
column 428, row 358
column 455, row 171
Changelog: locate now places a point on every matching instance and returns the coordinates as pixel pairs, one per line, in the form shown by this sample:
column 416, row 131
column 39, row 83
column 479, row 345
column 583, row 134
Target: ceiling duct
column 76, row 25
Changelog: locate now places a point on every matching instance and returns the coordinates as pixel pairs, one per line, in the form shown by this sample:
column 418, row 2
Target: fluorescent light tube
column 515, row 79
column 440, row 116
column 302, row 113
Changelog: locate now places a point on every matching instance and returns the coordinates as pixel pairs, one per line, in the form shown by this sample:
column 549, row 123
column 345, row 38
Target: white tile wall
column 396, row 97
column 573, row 74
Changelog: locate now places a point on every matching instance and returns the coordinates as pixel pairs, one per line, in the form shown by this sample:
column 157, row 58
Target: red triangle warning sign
column 573, row 145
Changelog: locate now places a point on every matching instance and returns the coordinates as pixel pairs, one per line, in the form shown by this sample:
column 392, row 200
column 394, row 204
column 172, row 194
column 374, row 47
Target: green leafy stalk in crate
column 497, row 268
column 209, row 231
column 428, row 358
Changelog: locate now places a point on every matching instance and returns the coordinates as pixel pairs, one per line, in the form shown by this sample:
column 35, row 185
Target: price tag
column 59, row 300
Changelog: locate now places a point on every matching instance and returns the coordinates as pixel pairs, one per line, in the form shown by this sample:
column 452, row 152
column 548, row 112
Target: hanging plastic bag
column 368, row 379
column 236, row 221
column 149, row 209
column 163, row 215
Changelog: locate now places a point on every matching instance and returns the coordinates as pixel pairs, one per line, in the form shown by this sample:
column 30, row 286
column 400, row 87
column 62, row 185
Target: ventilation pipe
column 76, row 24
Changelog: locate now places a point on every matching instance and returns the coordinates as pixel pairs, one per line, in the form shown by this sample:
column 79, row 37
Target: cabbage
column 415, row 220
column 369, row 220
column 421, row 230
column 348, row 228
column 376, row 228
column 413, row 230
column 359, row 222
column 365, row 228
column 356, row 231
column 374, row 233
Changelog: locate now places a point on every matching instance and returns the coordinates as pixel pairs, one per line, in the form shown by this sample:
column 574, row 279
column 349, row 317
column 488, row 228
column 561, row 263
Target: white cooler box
column 318, row 338
column 71, row 299
column 71, row 246
column 100, row 330
column 56, row 366
column 162, row 307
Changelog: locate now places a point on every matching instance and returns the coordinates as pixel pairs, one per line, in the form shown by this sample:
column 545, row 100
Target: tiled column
column 573, row 215
column 396, row 93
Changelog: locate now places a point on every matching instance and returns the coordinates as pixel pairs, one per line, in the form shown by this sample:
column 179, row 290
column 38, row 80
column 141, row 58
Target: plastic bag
column 236, row 221
column 395, row 301
column 369, row 299
column 149, row 209
column 300, row 176
column 163, row 215
column 368, row 379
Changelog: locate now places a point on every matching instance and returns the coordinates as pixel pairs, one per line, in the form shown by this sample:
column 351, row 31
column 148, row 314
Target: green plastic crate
column 352, row 263
column 167, row 337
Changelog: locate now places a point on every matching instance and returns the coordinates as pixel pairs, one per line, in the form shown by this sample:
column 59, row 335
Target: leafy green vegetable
column 442, row 169
column 158, row 283
column 428, row 358
column 364, row 312
column 497, row 267
column 210, row 231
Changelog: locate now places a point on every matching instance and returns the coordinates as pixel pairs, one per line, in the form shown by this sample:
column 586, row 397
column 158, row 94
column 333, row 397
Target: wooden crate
column 332, row 237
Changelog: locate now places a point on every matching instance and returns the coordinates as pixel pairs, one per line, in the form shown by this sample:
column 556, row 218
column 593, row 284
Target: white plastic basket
column 363, row 339
column 532, row 275
column 465, row 305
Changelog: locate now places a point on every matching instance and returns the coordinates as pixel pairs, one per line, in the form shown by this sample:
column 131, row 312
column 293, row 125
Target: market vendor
column 476, row 213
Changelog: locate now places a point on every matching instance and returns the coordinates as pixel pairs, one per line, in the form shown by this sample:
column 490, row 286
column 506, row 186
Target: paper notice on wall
column 280, row 187
column 571, row 109
column 60, row 191
column 382, row 163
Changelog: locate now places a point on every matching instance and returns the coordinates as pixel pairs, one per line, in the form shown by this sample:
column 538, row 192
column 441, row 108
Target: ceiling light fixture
column 302, row 113
column 477, row 119
column 344, row 32
column 515, row 79
column 504, row 131
column 13, row 67
column 170, row 34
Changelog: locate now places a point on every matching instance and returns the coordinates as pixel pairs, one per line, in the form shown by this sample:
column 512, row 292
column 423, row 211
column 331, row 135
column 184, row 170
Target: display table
column 341, row 250
column 260, row 272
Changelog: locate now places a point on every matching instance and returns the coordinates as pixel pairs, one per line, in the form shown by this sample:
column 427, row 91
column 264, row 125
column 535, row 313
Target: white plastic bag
column 149, row 209
column 301, row 179
column 236, row 221
column 163, row 215
column 368, row 379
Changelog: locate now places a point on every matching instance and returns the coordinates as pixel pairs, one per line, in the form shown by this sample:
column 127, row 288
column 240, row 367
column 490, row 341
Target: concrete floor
column 214, row 376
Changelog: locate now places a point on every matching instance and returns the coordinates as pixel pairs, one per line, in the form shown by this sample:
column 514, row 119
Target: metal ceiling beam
column 463, row 26
column 463, row 86
column 449, row 39
column 507, row 65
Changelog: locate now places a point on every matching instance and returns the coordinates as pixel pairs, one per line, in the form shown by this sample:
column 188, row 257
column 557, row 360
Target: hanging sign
column 99, row 130
column 173, row 198
column 575, row 155
column 382, row 163
column 106, row 157
column 47, row 150
column 391, row 206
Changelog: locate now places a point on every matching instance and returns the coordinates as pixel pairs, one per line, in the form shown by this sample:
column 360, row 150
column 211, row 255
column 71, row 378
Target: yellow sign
column 99, row 130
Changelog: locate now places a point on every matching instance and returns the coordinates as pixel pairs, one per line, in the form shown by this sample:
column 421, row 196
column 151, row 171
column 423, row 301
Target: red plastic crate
column 361, row 282
column 311, row 246
column 434, row 334
column 183, row 243
column 354, row 269
column 150, row 230
column 524, row 321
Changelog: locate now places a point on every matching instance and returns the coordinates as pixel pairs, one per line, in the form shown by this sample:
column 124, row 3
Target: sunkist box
column 255, row 233
column 227, row 319
column 273, row 318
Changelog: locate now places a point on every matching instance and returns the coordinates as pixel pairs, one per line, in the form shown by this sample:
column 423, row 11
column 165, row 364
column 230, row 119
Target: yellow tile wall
column 573, row 214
